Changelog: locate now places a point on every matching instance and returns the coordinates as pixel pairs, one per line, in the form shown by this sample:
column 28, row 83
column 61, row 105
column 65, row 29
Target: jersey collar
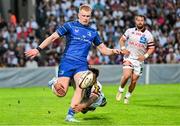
column 142, row 30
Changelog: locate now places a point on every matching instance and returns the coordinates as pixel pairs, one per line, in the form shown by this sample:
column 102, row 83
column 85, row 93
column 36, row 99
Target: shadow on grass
column 95, row 117
column 98, row 119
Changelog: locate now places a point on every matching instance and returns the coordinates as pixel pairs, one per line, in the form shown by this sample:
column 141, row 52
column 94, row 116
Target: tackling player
column 140, row 45
column 79, row 38
column 92, row 96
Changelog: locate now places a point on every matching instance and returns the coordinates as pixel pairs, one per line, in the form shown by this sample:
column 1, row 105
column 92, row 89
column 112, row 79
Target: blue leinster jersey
column 79, row 39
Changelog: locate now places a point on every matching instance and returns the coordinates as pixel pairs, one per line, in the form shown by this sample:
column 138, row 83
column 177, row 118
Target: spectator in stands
column 2, row 51
column 12, row 18
column 2, row 22
column 31, row 63
column 110, row 18
column 171, row 56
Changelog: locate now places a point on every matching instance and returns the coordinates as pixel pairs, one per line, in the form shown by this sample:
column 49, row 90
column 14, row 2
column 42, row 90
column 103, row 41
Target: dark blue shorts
column 68, row 67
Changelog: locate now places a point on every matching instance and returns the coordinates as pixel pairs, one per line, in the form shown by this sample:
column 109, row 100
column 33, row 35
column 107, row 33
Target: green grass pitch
column 149, row 105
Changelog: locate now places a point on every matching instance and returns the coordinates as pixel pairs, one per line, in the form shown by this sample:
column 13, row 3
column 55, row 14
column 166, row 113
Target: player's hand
column 141, row 58
column 32, row 53
column 79, row 107
column 125, row 52
column 116, row 51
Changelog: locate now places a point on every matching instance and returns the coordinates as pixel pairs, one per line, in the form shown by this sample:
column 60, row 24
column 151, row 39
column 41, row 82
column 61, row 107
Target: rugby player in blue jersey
column 79, row 38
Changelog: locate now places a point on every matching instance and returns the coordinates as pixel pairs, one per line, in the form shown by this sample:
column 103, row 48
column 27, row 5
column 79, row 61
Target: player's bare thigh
column 127, row 69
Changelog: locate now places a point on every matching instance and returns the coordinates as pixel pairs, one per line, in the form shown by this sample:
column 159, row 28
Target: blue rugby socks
column 71, row 112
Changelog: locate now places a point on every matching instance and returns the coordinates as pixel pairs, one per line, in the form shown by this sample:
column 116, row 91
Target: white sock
column 121, row 89
column 128, row 94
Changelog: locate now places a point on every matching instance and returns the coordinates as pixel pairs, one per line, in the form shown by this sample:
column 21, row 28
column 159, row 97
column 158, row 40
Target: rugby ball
column 86, row 79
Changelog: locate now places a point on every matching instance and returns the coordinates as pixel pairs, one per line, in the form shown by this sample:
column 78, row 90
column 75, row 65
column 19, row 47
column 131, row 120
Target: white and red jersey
column 138, row 42
column 97, row 90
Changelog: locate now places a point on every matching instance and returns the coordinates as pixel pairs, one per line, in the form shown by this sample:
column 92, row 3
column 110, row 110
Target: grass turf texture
column 149, row 105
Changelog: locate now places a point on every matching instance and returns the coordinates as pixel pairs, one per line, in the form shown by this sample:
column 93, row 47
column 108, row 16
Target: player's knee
column 134, row 82
column 59, row 90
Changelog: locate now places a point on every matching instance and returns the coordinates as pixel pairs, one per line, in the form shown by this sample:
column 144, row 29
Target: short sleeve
column 64, row 29
column 151, row 43
column 151, row 38
column 126, row 34
column 97, row 40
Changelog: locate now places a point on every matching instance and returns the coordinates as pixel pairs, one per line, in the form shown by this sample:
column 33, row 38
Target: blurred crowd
column 110, row 17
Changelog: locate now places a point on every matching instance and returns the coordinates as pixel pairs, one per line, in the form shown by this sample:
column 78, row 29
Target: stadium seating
column 110, row 18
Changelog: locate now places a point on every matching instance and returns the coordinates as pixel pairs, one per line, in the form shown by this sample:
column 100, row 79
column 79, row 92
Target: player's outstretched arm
column 34, row 52
column 107, row 51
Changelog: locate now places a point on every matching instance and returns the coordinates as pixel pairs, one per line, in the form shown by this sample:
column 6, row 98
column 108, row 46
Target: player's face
column 139, row 22
column 84, row 17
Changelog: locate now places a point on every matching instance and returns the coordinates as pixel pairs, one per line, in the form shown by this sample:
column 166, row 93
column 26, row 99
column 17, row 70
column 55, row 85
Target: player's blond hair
column 85, row 7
